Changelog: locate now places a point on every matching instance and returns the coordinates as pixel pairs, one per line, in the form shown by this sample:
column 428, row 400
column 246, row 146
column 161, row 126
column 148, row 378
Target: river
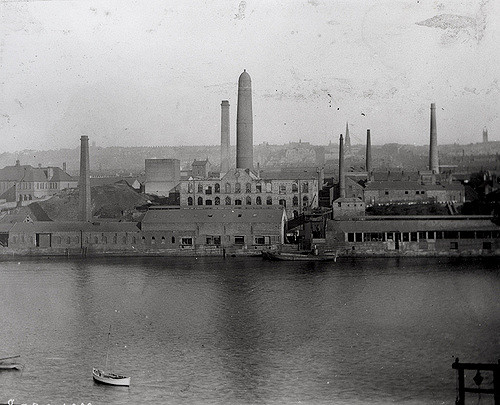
column 247, row 331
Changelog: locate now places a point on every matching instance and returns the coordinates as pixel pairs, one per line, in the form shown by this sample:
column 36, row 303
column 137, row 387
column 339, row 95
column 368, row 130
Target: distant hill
column 113, row 201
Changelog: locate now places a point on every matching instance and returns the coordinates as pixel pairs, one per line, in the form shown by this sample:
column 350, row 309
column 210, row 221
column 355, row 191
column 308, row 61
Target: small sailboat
column 9, row 365
column 106, row 377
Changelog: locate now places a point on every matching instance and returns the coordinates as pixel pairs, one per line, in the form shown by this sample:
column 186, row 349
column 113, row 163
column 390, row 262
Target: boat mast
column 107, row 350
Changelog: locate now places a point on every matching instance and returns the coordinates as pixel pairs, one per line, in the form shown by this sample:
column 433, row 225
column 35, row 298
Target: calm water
column 246, row 331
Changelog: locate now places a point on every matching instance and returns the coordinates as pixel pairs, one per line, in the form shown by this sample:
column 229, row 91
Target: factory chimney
column 485, row 135
column 244, row 123
column 433, row 151
column 347, row 137
column 341, row 168
column 225, row 143
column 84, row 183
column 368, row 162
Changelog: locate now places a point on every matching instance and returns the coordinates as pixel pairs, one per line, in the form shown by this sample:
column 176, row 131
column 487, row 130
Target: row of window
column 282, row 188
column 248, row 201
column 37, row 186
column 422, row 235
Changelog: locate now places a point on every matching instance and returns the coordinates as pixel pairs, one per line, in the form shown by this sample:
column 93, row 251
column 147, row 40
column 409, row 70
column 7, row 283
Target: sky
column 154, row 73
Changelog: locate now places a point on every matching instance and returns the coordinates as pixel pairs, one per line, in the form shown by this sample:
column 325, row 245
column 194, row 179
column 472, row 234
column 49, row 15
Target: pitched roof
column 74, row 226
column 290, row 174
column 214, row 215
column 410, row 185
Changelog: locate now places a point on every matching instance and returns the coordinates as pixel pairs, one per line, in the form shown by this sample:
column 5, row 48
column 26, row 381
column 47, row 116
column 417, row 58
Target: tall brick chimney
column 341, row 168
column 84, row 183
column 433, row 151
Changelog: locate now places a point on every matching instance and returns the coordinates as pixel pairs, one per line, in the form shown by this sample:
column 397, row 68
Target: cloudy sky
column 133, row 73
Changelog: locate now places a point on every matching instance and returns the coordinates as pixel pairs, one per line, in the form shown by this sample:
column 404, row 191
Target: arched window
column 217, row 200
column 208, row 202
column 258, row 200
column 237, row 188
column 305, row 201
column 163, row 240
column 190, row 187
column 190, row 200
column 143, row 239
column 269, row 200
column 96, row 240
column 200, row 200
column 295, row 213
column 295, row 188
column 104, row 240
column 228, row 188
column 217, row 187
column 305, row 187
column 153, row 240
column 248, row 200
column 248, row 188
column 228, row 200
column 295, row 201
column 282, row 189
column 115, row 238
column 200, row 188
column 237, row 202
column 282, row 202
column 209, row 190
column 124, row 240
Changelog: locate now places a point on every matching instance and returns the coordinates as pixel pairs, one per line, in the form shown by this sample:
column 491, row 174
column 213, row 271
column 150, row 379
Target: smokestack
column 84, row 183
column 225, row 143
column 244, row 123
column 341, row 168
column 64, row 166
column 368, row 152
column 347, row 137
column 433, row 152
column 485, row 135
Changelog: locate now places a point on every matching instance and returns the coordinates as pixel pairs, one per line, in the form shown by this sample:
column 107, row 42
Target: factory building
column 296, row 191
column 212, row 231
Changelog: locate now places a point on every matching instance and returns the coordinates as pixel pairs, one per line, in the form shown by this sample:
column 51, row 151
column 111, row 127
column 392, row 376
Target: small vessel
column 8, row 365
column 306, row 256
column 106, row 377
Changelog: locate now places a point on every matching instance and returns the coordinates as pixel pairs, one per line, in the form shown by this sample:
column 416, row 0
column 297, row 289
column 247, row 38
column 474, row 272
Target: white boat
column 110, row 378
column 106, row 377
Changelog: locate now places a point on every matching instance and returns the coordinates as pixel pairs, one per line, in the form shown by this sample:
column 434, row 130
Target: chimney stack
column 244, row 123
column 433, row 152
column 64, row 166
column 368, row 162
column 341, row 168
column 225, row 142
column 485, row 135
column 84, row 183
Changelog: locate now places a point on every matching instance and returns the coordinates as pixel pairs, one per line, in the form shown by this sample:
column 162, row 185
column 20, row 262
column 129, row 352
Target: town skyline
column 129, row 75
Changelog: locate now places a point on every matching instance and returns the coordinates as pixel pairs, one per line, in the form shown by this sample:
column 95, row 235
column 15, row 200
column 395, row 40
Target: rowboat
column 106, row 377
column 103, row 377
column 306, row 256
column 7, row 365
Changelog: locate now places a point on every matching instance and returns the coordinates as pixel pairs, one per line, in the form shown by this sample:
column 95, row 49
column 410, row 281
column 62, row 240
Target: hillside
column 116, row 201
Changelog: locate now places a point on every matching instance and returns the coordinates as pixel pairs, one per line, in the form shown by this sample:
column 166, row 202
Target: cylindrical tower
column 368, row 152
column 433, row 151
column 244, row 123
column 341, row 168
column 84, row 183
column 485, row 135
column 225, row 143
column 347, row 140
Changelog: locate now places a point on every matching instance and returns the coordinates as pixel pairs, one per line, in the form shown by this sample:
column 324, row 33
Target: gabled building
column 27, row 183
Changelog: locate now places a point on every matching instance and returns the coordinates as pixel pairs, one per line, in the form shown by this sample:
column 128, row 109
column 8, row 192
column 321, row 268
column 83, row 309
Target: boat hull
column 280, row 256
column 10, row 367
column 102, row 377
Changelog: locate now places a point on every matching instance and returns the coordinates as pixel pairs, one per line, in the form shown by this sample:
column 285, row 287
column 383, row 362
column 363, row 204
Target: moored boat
column 104, row 377
column 306, row 256
column 7, row 365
